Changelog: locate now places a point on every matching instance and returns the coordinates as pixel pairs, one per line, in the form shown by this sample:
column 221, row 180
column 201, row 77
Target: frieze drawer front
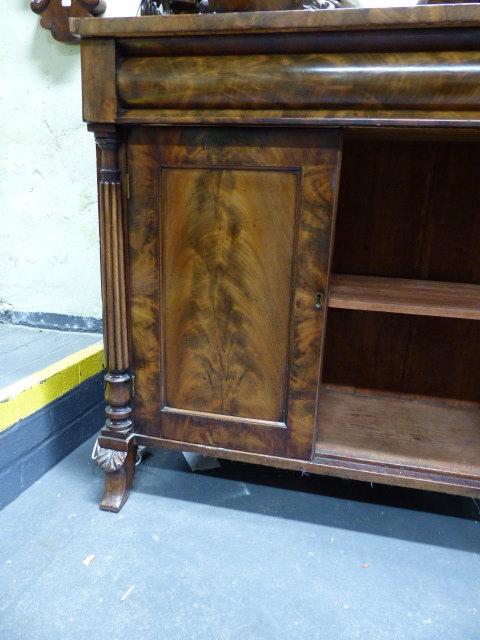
column 431, row 81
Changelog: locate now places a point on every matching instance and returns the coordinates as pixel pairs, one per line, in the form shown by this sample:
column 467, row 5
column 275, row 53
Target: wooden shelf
column 396, row 295
column 412, row 436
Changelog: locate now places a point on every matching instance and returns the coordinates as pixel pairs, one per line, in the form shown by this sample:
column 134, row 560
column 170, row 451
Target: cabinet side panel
column 228, row 272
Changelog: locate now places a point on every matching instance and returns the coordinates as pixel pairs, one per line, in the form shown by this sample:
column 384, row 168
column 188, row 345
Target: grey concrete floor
column 26, row 350
column 240, row 552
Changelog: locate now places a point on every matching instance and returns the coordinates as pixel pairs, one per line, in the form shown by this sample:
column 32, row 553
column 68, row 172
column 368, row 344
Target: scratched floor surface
column 26, row 350
column 239, row 552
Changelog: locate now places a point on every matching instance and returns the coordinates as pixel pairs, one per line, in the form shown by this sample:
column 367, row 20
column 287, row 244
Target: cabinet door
column 230, row 238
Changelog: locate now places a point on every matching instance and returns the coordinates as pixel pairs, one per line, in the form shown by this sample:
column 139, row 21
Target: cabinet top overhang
column 418, row 17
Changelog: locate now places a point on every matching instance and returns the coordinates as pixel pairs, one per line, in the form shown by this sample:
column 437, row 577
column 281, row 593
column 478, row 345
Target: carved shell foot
column 110, row 460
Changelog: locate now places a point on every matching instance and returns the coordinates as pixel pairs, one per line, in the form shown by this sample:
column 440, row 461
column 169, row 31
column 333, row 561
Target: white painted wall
column 48, row 203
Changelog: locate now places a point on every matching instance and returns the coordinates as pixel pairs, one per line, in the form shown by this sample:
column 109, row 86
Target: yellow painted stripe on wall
column 21, row 399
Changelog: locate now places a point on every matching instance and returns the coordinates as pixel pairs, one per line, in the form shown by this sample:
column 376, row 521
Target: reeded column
column 116, row 452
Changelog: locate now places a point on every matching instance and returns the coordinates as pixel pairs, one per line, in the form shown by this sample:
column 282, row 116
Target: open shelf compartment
column 400, row 386
column 401, row 390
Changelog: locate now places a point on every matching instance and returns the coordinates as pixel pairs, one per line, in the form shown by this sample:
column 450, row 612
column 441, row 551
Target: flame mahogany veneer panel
column 227, row 263
column 427, row 80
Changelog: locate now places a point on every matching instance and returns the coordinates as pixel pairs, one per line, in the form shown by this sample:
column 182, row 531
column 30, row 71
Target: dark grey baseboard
column 37, row 443
column 58, row 321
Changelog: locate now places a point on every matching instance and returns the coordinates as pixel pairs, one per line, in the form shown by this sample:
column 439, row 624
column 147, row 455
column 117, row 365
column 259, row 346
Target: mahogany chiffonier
column 290, row 231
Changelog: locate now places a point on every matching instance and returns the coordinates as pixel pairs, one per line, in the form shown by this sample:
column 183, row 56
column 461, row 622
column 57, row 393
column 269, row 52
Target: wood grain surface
column 403, row 356
column 230, row 242
column 407, row 209
column 115, row 290
column 230, row 225
column 339, row 41
column 99, row 93
column 436, row 80
column 399, row 295
column 422, row 16
column 348, row 119
column 413, row 435
column 338, row 466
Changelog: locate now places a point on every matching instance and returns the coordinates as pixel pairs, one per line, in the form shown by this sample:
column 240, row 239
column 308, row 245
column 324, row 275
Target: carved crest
column 55, row 14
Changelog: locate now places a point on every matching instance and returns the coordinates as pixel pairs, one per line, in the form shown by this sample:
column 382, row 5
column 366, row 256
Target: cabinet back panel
column 409, row 209
column 403, row 355
column 227, row 266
